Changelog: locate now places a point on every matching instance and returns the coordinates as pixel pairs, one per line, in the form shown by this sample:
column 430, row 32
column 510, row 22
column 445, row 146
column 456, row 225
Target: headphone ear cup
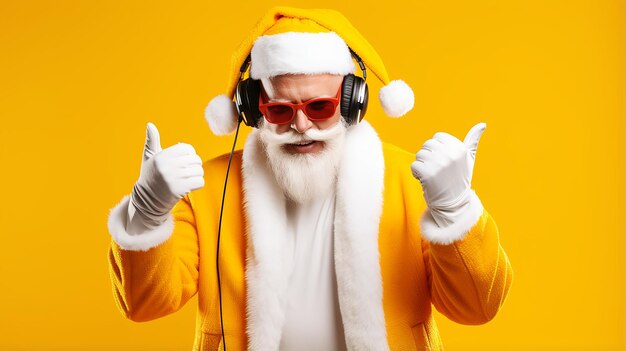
column 365, row 99
column 351, row 91
column 248, row 91
column 347, row 90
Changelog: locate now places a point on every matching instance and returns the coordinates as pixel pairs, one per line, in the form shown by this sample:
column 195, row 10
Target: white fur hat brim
column 300, row 53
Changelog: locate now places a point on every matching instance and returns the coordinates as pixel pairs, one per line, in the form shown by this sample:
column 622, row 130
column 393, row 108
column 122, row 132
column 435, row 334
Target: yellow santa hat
column 289, row 40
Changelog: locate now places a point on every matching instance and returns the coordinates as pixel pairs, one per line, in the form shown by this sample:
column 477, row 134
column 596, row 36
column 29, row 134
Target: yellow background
column 80, row 79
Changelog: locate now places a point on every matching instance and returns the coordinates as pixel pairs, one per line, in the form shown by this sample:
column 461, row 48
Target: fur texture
column 221, row 114
column 396, row 98
column 296, row 52
column 357, row 218
column 266, row 261
column 456, row 231
column 140, row 242
column 357, row 213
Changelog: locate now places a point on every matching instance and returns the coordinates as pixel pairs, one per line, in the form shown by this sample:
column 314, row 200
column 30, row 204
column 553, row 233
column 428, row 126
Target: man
column 327, row 243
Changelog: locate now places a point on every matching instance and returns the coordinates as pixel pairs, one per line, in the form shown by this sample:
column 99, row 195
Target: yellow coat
column 392, row 262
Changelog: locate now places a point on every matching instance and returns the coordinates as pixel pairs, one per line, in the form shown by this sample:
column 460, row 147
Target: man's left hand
column 444, row 167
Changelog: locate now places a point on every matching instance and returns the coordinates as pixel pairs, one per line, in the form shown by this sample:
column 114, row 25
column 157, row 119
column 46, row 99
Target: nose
column 301, row 122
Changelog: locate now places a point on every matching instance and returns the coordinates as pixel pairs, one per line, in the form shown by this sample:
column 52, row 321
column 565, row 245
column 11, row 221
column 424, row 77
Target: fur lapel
column 357, row 217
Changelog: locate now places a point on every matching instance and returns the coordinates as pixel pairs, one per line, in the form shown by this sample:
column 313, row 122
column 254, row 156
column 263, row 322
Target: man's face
column 304, row 155
column 298, row 88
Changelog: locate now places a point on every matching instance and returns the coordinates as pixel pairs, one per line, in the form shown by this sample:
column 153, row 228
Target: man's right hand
column 165, row 177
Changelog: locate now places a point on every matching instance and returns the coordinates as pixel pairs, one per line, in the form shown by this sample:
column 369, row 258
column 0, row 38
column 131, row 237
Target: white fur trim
column 455, row 231
column 357, row 216
column 266, row 260
column 295, row 52
column 221, row 114
column 397, row 98
column 140, row 242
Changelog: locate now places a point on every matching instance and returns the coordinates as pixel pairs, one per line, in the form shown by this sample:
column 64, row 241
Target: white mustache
column 293, row 137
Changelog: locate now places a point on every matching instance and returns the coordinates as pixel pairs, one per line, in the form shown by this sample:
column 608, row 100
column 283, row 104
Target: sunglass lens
column 279, row 113
column 320, row 110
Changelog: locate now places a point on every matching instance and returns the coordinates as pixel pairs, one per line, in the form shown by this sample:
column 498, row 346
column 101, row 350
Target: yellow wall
column 80, row 79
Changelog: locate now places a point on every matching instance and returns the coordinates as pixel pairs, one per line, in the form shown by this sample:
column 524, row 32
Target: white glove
column 444, row 167
column 165, row 177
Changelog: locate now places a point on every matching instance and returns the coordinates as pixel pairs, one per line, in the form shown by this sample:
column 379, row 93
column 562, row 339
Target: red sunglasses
column 318, row 109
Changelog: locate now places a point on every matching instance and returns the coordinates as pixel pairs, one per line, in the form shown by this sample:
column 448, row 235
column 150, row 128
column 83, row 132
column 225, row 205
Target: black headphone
column 354, row 96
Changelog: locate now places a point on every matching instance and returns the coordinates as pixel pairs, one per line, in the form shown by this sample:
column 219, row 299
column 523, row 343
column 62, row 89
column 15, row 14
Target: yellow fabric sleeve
column 154, row 283
column 469, row 279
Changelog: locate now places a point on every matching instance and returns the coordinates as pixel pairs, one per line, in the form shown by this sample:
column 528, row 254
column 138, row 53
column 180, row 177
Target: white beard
column 302, row 177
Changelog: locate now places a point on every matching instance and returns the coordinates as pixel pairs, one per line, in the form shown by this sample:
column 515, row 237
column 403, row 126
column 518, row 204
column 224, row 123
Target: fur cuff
column 455, row 231
column 138, row 242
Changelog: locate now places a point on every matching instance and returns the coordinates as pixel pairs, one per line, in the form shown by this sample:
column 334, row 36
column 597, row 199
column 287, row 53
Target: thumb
column 473, row 136
column 153, row 141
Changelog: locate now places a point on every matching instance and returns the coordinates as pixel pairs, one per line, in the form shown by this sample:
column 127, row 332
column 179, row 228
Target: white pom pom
column 221, row 114
column 396, row 98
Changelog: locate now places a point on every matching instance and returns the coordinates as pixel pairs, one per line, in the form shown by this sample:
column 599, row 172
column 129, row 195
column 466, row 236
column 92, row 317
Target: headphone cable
column 219, row 232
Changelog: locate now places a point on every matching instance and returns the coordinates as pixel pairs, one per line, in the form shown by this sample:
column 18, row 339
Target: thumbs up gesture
column 444, row 167
column 165, row 177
